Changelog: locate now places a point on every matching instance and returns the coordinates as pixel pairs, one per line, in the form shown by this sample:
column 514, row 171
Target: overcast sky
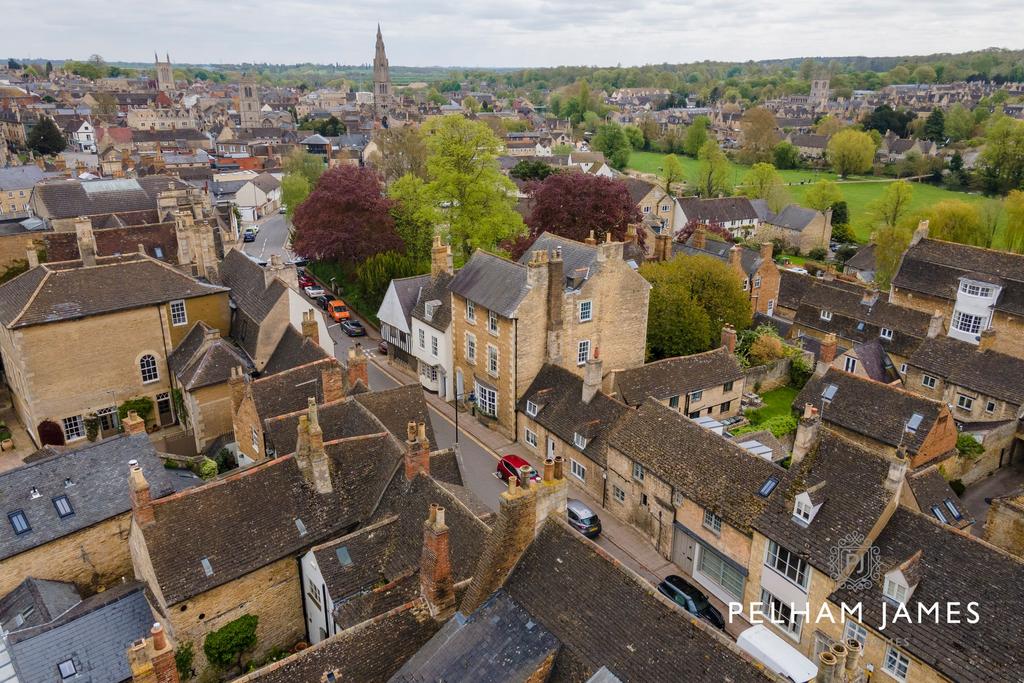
column 503, row 32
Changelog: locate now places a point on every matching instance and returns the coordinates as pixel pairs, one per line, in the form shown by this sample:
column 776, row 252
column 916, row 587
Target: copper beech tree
column 345, row 218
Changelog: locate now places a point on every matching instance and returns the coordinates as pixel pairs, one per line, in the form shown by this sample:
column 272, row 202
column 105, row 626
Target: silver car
column 582, row 518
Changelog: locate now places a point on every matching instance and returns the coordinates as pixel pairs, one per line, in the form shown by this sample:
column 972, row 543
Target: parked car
column 353, row 328
column 283, row 209
column 306, row 281
column 313, row 291
column 338, row 310
column 676, row 589
column 509, row 466
column 300, row 262
column 776, row 654
column 249, row 235
column 255, row 228
column 382, row 347
column 582, row 518
column 324, row 301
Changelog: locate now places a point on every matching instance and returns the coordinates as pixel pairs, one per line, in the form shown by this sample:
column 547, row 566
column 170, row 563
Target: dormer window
column 886, row 333
column 579, row 440
column 802, row 510
column 826, row 315
column 895, row 589
column 974, row 289
column 532, row 408
column 807, row 503
column 429, row 308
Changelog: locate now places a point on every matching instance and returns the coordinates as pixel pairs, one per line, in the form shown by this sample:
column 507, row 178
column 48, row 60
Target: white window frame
column 638, row 471
column 433, row 345
column 577, row 469
column 885, row 333
column 65, row 673
column 894, row 591
column 850, row 364
column 854, row 631
column 928, row 381
column 492, row 322
column 712, row 522
column 788, row 565
column 826, row 315
column 588, row 307
column 470, row 311
column 149, row 371
column 492, row 360
column 179, row 315
column 903, row 368
column 583, row 352
column 971, row 289
column 968, row 322
column 74, row 428
column 618, row 494
column 532, row 408
column 579, row 441
column 530, row 437
column 964, row 402
column 802, row 511
column 782, row 615
column 255, row 436
column 894, row 660
column 696, row 395
column 421, row 338
column 471, row 348
column 990, row 406
column 713, row 566
column 757, row 282
column 487, row 400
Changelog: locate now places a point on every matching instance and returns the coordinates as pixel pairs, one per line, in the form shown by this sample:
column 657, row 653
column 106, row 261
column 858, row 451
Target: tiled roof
column 638, row 189
column 750, row 259
column 853, row 480
column 606, row 616
column 47, row 600
column 95, row 635
column 73, row 198
column 53, row 292
column 718, row 210
column 935, row 267
column 793, row 287
column 338, row 420
column 20, row 177
column 988, row 372
column 293, row 349
column 872, row 409
column 864, row 259
column 436, row 289
column 160, row 241
column 710, row 470
column 492, row 282
column 198, row 365
column 98, row 489
column 955, row 568
column 793, row 217
column 397, row 407
column 248, row 284
column 558, row 394
column 677, row 376
column 576, row 256
column 256, row 511
column 930, row 489
column 289, row 391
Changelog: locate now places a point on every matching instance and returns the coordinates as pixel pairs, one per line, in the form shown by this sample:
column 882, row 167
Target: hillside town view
column 704, row 363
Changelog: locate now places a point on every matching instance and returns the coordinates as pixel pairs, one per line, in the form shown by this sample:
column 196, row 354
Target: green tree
column 400, row 150
column 49, row 68
column 464, row 178
column 106, row 106
column 890, row 243
column 415, row 213
column 672, row 172
column 635, row 136
column 712, row 176
column 613, row 141
column 301, row 162
column 531, row 169
column 759, row 136
column 1013, row 237
column 959, row 123
column 692, row 298
column 294, row 190
column 850, row 151
column 893, row 204
column 764, row 182
column 823, row 195
column 924, row 74
column 225, row 647
column 786, row 155
column 470, row 103
column 955, row 220
column 828, row 125
column 1002, row 159
column 935, row 126
column 696, row 136
column 46, row 138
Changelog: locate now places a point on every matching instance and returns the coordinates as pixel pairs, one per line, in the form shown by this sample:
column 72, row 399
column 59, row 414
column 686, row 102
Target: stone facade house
column 78, row 338
column 975, row 289
column 735, row 214
column 655, row 204
column 702, row 384
column 797, row 226
column 755, row 269
column 559, row 305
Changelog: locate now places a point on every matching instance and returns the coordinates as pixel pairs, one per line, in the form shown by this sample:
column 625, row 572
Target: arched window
column 147, row 364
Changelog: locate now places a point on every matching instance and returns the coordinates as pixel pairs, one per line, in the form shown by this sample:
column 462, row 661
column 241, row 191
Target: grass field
column 859, row 192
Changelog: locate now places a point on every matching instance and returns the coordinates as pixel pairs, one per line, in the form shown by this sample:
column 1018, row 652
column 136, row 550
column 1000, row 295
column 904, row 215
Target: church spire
column 381, row 82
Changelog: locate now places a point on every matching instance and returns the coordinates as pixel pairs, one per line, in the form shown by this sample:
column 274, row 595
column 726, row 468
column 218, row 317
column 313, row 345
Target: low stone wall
column 772, row 375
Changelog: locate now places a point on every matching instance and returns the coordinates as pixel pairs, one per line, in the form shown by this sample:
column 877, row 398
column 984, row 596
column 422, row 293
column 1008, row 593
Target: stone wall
column 1005, row 524
column 594, row 482
column 762, row 378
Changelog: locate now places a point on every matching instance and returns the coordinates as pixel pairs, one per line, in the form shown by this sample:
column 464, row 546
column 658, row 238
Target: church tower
column 381, row 82
column 164, row 74
column 249, row 103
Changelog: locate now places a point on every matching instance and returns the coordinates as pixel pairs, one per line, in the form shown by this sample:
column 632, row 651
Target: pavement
column 479, row 447
column 1001, row 482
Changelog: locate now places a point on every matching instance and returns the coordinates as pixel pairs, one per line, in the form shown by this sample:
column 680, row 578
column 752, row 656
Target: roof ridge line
column 32, row 298
column 234, row 476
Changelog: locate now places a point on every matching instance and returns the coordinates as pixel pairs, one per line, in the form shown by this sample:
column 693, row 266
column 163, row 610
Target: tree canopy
column 613, row 141
column 759, row 136
column 712, row 175
column 764, row 182
column 46, row 137
column 850, row 151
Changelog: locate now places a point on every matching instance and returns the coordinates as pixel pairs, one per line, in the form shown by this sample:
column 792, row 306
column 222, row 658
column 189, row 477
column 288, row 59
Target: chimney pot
column 729, row 337
column 559, row 467
column 700, row 238
column 549, row 469
column 159, row 637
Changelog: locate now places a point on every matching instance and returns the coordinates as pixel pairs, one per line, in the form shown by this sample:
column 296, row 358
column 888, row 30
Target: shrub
column 765, row 349
column 799, row 371
column 183, row 657
column 779, row 426
column 225, row 647
column 207, row 468
column 818, row 254
column 968, row 446
column 958, row 486
column 142, row 406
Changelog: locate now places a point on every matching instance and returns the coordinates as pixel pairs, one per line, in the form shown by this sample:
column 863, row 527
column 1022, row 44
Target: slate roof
column 793, row 217
column 875, row 361
column 98, row 489
column 338, row 420
column 577, row 257
column 638, row 188
column 436, row 289
column 677, row 376
column 54, row 292
column 47, row 600
column 710, row 470
column 256, row 510
column 197, row 365
column 95, row 635
column 397, row 407
column 934, row 267
column 793, row 287
column 864, row 259
column 492, row 282
column 988, row 372
column 750, row 259
column 293, row 349
column 248, row 284
column 930, row 489
column 20, row 177
column 718, row 210
column 516, row 646
column 160, row 240
column 571, row 587
column 872, row 409
column 73, row 198
column 853, row 481
column 955, row 568
column 287, row 392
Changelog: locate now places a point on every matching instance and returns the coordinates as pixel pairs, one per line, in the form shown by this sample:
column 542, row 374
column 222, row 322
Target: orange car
column 338, row 310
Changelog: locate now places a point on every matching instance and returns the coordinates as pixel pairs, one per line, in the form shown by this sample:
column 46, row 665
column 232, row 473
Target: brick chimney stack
column 138, row 494
column 152, row 659
column 86, row 241
column 133, row 424
column 556, row 280
column 592, row 377
column 662, row 247
column 631, row 234
column 729, row 337
column 827, row 353
column 332, row 382
column 436, row 582
column 552, row 491
column 357, row 367
column 591, row 239
column 986, row 339
column 766, row 251
column 537, row 268
column 826, row 668
column 735, row 260
column 417, row 450
column 700, row 238
column 440, row 258
column 807, row 431
column 310, row 329
column 919, row 234
column 512, row 532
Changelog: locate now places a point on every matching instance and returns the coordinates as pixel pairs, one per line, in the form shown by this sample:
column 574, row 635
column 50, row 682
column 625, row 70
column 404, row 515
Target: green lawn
column 778, row 402
column 858, row 195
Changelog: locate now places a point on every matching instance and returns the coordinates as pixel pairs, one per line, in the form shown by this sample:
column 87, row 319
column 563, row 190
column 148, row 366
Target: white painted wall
column 317, row 617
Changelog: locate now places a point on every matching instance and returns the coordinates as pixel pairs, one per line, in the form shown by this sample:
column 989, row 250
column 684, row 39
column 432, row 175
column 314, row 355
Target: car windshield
column 587, row 520
column 340, row 308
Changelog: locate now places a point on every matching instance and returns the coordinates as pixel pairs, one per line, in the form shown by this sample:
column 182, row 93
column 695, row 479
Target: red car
column 305, row 281
column 509, row 466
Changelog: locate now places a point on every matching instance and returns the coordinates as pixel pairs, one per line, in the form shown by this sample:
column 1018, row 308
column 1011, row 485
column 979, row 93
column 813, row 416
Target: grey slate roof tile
column 492, row 282
column 677, row 376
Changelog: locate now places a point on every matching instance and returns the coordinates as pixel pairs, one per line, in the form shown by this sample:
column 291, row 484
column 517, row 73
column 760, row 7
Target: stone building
column 78, row 338
column 1004, row 525
column 559, row 304
column 755, row 269
column 164, row 73
column 249, row 113
column 382, row 97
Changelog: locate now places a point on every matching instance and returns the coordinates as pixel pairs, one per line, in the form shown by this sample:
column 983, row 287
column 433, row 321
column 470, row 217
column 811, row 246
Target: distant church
column 381, row 83
column 164, row 74
column 249, row 113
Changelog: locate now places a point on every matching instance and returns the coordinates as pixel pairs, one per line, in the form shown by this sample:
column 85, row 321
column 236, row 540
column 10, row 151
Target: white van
column 776, row 654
